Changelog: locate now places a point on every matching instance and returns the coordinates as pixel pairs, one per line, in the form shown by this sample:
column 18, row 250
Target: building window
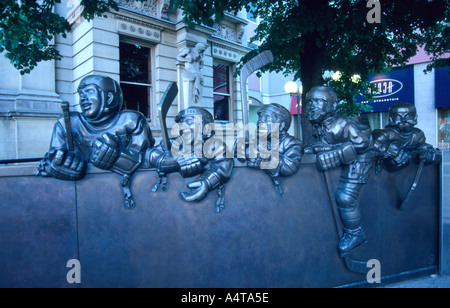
column 135, row 77
column 221, row 92
column 374, row 120
column 444, row 128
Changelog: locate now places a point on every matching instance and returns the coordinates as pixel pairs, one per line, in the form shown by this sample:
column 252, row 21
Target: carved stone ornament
column 149, row 7
column 193, row 79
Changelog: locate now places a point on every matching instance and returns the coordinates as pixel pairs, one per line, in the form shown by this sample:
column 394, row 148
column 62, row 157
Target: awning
column 294, row 107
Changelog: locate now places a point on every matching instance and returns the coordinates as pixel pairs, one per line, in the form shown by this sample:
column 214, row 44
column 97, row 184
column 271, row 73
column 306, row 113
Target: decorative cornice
column 226, row 52
column 139, row 22
column 150, row 7
column 234, row 19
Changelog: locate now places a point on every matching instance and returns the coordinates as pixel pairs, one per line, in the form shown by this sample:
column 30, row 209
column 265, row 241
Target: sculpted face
column 265, row 119
column 319, row 104
column 192, row 125
column 404, row 118
column 273, row 118
column 315, row 110
column 90, row 101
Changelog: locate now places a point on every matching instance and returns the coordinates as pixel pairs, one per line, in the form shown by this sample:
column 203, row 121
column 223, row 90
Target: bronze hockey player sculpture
column 189, row 159
column 400, row 143
column 289, row 148
column 101, row 134
column 340, row 141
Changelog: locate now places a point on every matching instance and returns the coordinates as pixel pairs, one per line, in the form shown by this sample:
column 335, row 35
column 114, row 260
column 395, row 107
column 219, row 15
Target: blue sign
column 442, row 84
column 395, row 87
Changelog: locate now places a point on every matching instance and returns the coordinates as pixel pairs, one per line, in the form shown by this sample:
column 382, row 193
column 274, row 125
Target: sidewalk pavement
column 430, row 281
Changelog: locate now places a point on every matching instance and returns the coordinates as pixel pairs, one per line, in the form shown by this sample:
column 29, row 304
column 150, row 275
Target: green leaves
column 26, row 31
column 337, row 29
column 94, row 8
column 309, row 38
column 28, row 27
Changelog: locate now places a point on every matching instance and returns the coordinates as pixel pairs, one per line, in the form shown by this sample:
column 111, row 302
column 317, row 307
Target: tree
column 27, row 28
column 309, row 38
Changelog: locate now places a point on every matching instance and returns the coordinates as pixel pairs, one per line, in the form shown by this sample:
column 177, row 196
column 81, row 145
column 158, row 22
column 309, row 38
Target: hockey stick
column 66, row 115
column 163, row 109
column 413, row 186
column 249, row 68
column 353, row 265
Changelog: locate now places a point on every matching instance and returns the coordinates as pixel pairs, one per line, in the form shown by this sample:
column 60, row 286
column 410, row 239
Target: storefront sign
column 395, row 87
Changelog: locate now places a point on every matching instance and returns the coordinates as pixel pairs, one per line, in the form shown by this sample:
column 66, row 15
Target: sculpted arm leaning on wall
column 187, row 156
column 400, row 142
column 277, row 153
column 101, row 134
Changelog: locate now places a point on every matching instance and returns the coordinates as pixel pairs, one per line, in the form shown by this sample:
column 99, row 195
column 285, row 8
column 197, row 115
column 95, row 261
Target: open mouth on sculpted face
column 86, row 105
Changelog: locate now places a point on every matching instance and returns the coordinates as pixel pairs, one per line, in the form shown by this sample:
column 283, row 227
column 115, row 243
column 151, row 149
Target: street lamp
column 292, row 88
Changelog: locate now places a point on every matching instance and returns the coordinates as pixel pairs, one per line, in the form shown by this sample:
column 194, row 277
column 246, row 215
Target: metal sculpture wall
column 121, row 141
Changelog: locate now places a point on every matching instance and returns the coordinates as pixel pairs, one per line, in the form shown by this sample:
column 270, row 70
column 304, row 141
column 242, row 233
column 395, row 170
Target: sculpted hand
column 328, row 160
column 190, row 166
column 106, row 152
column 199, row 189
column 254, row 163
column 67, row 165
column 402, row 159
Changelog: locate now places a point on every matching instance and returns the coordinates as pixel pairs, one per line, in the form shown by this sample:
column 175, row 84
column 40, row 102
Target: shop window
column 374, row 120
column 221, row 92
column 444, row 128
column 135, row 77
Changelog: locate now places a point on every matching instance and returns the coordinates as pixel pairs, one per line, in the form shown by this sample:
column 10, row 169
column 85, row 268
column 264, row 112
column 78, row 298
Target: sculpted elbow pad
column 347, row 154
column 127, row 164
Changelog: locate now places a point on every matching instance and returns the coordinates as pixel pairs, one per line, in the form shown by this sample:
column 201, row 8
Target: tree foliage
column 309, row 38
column 28, row 27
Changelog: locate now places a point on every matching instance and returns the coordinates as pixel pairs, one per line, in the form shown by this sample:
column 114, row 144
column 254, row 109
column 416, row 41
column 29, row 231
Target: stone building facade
column 138, row 46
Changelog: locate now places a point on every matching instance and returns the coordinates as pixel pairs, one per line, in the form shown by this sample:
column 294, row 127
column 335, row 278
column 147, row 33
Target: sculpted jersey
column 409, row 141
column 338, row 130
column 290, row 156
column 396, row 147
column 216, row 170
column 129, row 128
